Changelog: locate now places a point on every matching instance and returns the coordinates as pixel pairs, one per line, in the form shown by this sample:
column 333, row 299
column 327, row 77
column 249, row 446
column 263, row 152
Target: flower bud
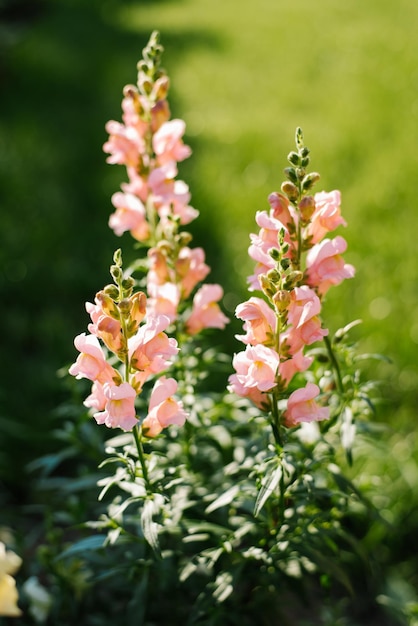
column 292, row 279
column 290, row 190
column 138, row 306
column 127, row 285
column 160, row 113
column 267, row 286
column 124, row 307
column 107, row 303
column 281, row 300
column 285, row 263
column 299, row 138
column 310, row 180
column 183, row 239
column 273, row 276
column 117, row 257
column 161, row 87
column 130, row 91
column 142, row 66
column 290, row 173
column 112, row 291
column 275, row 254
column 293, row 158
column 144, row 84
column 307, row 208
column 116, row 273
column 182, row 267
column 165, row 247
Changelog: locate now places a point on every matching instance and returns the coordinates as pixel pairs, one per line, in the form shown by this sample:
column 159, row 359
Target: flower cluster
column 296, row 264
column 128, row 341
column 139, row 343
column 153, row 204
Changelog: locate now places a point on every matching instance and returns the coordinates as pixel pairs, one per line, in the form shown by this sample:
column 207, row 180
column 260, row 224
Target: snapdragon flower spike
column 295, row 265
column 153, row 204
column 120, row 328
column 149, row 144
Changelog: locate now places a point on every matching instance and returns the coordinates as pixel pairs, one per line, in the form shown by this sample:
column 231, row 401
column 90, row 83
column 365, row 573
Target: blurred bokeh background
column 243, row 76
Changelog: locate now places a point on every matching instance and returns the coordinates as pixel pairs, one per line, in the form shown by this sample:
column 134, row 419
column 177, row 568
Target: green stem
column 299, row 257
column 334, row 364
column 281, row 497
column 275, row 422
column 141, row 457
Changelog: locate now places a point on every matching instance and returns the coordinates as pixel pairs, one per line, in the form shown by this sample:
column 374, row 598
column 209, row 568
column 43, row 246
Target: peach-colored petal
column 301, row 406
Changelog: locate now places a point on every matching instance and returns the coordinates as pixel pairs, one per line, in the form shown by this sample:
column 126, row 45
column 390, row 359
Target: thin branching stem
column 141, row 456
column 275, row 422
column 335, row 365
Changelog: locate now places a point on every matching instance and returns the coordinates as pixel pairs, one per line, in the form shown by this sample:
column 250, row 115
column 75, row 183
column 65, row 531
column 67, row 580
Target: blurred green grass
column 243, row 79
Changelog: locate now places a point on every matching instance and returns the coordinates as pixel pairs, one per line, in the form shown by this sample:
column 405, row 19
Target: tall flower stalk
column 140, row 321
column 296, row 264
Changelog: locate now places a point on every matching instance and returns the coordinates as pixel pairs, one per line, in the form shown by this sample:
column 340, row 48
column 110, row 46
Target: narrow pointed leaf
column 269, row 484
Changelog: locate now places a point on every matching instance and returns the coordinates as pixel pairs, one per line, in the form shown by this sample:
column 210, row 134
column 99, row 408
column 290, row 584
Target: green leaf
column 149, row 527
column 268, row 485
column 88, row 543
column 223, row 587
column 226, row 498
column 48, row 463
column 197, row 526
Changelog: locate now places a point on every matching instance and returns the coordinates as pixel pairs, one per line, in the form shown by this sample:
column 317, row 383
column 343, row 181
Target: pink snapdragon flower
column 96, row 400
column 297, row 363
column 164, row 410
column 163, row 299
column 107, row 328
column 303, row 317
column 257, row 397
column 119, row 411
column 206, row 312
column 168, row 144
column 160, row 113
column 91, row 362
column 124, row 145
column 270, row 227
column 282, row 210
column 259, row 321
column 326, row 266
column 161, row 182
column 177, row 204
column 327, row 215
column 136, row 184
column 130, row 107
column 130, row 215
column 191, row 268
column 158, row 270
column 301, row 406
column 256, row 367
column 150, row 348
